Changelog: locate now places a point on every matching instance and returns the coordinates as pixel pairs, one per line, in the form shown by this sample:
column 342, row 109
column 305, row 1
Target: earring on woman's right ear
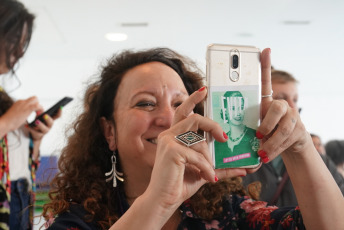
column 114, row 174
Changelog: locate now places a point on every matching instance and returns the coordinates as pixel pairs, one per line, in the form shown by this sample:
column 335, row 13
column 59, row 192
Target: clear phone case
column 234, row 85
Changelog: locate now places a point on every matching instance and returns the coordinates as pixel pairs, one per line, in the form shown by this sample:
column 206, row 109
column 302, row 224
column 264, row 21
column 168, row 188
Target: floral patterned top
column 238, row 213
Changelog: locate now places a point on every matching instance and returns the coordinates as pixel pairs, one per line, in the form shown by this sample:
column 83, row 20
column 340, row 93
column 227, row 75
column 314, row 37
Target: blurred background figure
column 335, row 150
column 318, row 144
column 284, row 86
column 19, row 143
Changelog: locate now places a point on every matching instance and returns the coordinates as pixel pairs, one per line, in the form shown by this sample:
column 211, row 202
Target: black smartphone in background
column 52, row 111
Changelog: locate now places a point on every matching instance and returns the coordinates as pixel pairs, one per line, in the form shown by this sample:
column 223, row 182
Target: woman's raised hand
column 179, row 171
column 281, row 126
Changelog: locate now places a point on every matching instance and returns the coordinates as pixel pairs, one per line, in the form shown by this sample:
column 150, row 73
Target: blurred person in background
column 318, row 144
column 19, row 143
column 335, row 150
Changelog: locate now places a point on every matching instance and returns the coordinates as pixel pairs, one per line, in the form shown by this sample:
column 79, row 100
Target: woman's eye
column 145, row 104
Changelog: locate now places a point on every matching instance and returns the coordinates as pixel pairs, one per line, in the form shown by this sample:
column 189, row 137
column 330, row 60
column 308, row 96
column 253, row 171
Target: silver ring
column 269, row 95
column 190, row 138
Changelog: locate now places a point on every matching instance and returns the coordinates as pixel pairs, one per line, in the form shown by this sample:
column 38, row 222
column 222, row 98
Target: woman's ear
column 109, row 133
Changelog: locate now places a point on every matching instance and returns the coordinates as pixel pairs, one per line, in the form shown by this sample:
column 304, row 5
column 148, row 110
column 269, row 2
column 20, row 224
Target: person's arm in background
column 17, row 114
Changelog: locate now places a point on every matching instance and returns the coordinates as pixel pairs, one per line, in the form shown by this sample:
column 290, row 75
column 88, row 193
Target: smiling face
column 144, row 107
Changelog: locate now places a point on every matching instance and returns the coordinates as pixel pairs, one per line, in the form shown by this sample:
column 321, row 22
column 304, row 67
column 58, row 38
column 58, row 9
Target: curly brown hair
column 85, row 159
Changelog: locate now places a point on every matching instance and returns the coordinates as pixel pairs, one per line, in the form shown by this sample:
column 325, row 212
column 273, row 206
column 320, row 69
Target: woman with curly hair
column 123, row 167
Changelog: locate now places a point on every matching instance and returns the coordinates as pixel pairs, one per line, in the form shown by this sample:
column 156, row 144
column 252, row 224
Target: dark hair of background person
column 13, row 17
column 86, row 157
column 335, row 150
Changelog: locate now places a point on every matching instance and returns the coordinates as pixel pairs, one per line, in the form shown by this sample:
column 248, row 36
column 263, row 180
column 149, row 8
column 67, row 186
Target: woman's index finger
column 266, row 79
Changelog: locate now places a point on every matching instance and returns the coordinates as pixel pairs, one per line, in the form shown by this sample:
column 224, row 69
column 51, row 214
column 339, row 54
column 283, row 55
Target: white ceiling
column 306, row 38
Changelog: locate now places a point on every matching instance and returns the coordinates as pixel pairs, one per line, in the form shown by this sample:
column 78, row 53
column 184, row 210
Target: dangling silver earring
column 114, row 173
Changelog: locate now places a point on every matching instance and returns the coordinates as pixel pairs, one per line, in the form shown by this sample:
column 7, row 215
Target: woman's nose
column 165, row 116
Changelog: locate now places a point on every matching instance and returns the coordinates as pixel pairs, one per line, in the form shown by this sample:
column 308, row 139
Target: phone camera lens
column 235, row 61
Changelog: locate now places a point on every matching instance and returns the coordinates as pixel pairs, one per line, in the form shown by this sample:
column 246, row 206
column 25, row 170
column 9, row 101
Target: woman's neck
column 134, row 186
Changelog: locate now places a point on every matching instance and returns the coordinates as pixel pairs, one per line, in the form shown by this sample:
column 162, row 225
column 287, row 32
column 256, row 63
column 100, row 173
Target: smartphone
column 233, row 79
column 52, row 111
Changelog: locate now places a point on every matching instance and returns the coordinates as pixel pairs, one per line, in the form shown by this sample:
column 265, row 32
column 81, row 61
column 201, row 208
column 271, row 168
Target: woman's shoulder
column 73, row 218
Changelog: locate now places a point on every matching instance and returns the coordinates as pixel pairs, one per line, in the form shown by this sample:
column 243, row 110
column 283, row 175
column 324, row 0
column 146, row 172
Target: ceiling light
column 134, row 24
column 116, row 37
column 296, row 22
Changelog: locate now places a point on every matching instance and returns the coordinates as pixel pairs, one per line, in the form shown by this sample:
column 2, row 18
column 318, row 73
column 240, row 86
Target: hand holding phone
column 52, row 111
column 234, row 84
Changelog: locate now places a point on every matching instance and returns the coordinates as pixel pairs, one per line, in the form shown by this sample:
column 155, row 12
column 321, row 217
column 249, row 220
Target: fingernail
column 45, row 117
column 242, row 175
column 26, row 126
column 270, row 50
column 201, row 89
column 259, row 135
column 38, row 113
column 225, row 136
column 216, row 179
column 265, row 159
column 37, row 122
column 262, row 153
column 61, row 107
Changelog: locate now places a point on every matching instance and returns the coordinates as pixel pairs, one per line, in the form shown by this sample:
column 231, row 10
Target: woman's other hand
column 281, row 125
